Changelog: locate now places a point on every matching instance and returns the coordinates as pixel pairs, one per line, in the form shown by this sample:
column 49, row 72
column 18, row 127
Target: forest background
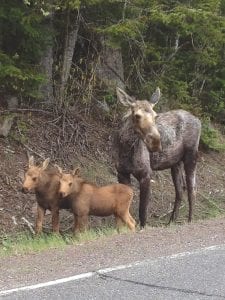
column 58, row 53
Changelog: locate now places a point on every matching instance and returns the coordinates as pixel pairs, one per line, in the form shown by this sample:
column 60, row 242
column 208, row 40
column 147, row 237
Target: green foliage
column 177, row 45
column 23, row 40
column 211, row 137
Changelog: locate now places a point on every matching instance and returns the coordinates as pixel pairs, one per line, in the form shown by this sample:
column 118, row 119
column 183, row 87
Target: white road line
column 108, row 270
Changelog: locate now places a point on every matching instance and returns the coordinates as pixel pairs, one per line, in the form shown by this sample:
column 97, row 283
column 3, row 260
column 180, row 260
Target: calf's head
column 69, row 183
column 33, row 175
column 143, row 117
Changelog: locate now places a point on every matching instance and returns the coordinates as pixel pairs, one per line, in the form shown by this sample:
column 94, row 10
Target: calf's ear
column 45, row 164
column 59, row 169
column 31, row 161
column 76, row 172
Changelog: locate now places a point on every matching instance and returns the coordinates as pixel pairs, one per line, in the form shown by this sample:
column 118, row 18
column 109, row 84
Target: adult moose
column 148, row 141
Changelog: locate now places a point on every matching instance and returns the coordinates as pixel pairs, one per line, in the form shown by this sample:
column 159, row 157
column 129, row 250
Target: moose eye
column 34, row 178
column 70, row 183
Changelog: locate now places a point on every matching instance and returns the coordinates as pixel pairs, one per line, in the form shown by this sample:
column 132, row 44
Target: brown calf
column 89, row 199
column 45, row 184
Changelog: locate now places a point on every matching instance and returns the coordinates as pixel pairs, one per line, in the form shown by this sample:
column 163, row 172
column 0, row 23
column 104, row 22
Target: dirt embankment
column 87, row 142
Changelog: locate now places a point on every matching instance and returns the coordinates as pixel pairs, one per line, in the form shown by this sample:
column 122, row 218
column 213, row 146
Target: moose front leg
column 145, row 194
column 124, row 178
column 80, row 223
column 39, row 219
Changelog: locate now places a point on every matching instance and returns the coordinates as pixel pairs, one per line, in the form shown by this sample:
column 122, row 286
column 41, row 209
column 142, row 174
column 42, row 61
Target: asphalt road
column 198, row 274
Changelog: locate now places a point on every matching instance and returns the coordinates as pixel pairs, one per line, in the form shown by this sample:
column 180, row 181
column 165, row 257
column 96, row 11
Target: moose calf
column 45, row 184
column 89, row 199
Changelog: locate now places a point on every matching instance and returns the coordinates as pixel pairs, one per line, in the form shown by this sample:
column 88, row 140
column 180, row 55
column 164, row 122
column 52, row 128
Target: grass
column 206, row 207
column 209, row 207
column 25, row 243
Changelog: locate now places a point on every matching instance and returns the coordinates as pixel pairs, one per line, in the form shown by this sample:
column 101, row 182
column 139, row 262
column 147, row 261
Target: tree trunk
column 110, row 68
column 70, row 42
column 46, row 66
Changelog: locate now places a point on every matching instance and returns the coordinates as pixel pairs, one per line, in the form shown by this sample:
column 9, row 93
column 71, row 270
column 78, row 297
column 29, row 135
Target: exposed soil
column 87, row 142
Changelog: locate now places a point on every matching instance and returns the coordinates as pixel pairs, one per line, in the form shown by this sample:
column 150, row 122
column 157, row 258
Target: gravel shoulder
column 17, row 271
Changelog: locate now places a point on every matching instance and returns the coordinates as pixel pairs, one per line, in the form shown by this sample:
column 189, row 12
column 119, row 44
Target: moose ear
column 45, row 164
column 31, row 161
column 76, row 172
column 124, row 98
column 155, row 97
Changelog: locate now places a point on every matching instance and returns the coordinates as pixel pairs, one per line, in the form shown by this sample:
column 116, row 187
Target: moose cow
column 89, row 199
column 45, row 183
column 149, row 141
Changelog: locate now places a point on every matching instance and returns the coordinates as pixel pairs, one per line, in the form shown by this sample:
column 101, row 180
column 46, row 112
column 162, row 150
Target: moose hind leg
column 179, row 185
column 119, row 223
column 126, row 219
column 132, row 219
column 190, row 172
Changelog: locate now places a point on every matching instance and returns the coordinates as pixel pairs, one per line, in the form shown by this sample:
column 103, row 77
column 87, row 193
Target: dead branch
column 25, row 110
column 28, row 148
column 29, row 224
column 168, row 213
column 33, row 151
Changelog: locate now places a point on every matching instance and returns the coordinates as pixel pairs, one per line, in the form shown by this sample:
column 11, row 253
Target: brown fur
column 89, row 199
column 45, row 184
column 138, row 150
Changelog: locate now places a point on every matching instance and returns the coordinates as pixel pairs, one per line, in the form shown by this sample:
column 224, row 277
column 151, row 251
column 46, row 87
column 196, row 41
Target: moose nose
column 62, row 194
column 24, row 190
column 137, row 117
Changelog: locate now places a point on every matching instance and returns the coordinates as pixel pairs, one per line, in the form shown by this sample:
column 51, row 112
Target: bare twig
column 29, row 224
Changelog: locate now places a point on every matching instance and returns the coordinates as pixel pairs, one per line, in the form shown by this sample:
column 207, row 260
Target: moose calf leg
column 80, row 224
column 119, row 223
column 39, row 219
column 55, row 220
column 132, row 219
column 126, row 219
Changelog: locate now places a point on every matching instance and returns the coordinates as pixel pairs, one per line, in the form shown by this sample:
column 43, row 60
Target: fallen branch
column 29, row 224
column 168, row 213
column 14, row 220
column 33, row 151
column 25, row 110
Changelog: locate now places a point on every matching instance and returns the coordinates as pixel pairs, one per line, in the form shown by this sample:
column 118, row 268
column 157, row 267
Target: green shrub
column 211, row 138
